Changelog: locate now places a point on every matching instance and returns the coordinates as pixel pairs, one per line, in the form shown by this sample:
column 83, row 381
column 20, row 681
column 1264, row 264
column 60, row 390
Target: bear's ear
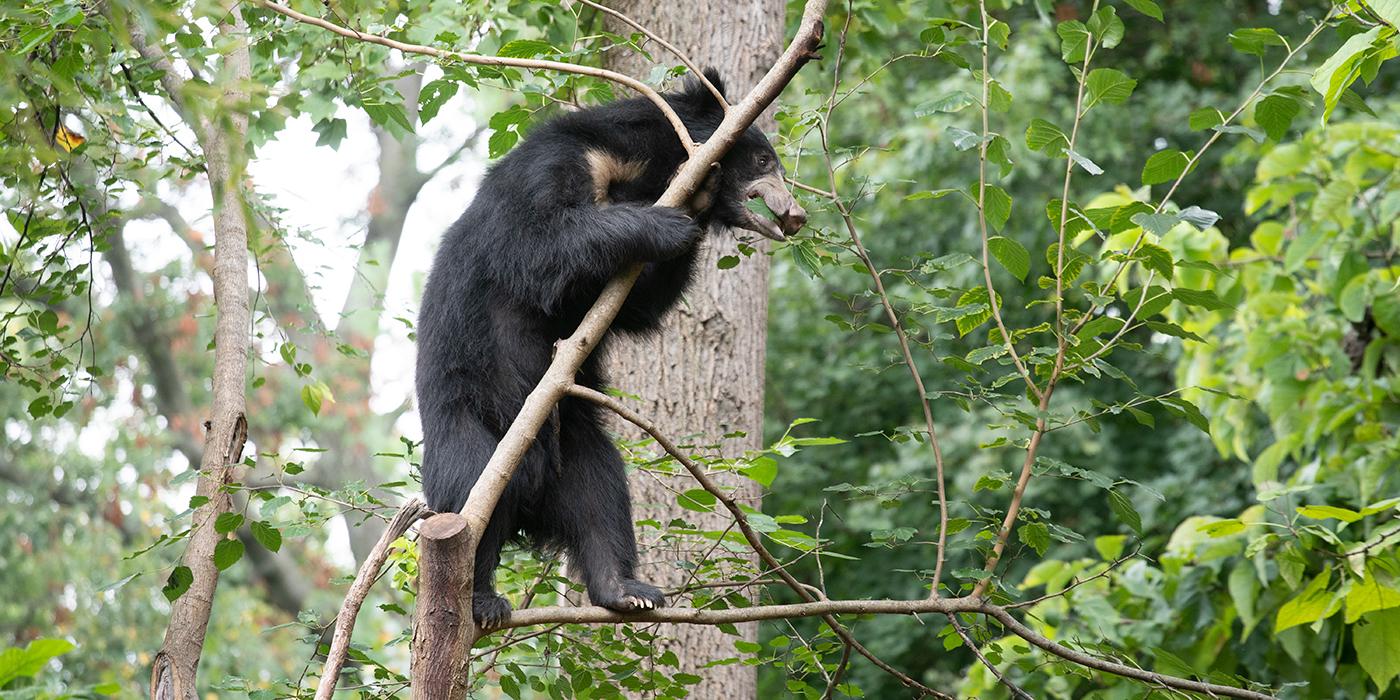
column 697, row 95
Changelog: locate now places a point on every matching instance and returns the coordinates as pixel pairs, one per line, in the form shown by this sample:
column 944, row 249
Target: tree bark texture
column 443, row 629
column 703, row 373
column 221, row 137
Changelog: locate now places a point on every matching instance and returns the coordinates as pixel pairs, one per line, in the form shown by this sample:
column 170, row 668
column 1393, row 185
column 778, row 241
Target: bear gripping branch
column 571, row 352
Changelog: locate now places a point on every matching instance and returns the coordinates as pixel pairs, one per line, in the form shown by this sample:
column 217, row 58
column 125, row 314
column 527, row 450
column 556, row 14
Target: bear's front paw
column 675, row 234
column 634, row 596
column 489, row 610
column 704, row 197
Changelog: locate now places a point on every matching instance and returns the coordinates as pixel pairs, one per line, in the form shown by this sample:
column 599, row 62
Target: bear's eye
column 764, row 161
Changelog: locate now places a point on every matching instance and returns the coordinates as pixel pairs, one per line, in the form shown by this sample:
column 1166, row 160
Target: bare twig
column 891, row 315
column 680, row 55
column 1016, row 690
column 992, row 302
column 802, row 590
column 477, row 59
column 1117, row 669
column 408, row 514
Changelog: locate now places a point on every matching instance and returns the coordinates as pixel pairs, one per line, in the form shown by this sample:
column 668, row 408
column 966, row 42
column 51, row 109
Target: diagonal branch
column 802, row 590
column 571, row 352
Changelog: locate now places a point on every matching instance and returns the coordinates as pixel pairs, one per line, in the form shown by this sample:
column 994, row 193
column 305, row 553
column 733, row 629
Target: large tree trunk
column 703, row 374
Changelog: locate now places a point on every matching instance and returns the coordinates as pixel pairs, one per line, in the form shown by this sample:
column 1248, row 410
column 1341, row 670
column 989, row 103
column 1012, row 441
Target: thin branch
column 1196, row 158
column 680, row 55
column 992, row 302
column 1016, row 690
column 819, row 608
column 1117, row 669
column 408, row 514
column 943, row 606
column 802, row 590
column 890, row 314
column 1077, row 582
column 477, row 59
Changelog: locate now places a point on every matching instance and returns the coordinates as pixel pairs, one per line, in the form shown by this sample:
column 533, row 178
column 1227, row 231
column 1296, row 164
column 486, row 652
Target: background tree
column 721, row 325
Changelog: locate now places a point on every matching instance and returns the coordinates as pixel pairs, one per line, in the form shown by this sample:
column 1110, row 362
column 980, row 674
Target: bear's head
column 749, row 171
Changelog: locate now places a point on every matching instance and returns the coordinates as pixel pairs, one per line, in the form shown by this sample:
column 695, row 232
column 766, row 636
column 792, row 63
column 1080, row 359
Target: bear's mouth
column 787, row 215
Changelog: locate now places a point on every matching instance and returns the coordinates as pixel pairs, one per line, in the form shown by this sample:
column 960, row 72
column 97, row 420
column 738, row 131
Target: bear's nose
column 794, row 219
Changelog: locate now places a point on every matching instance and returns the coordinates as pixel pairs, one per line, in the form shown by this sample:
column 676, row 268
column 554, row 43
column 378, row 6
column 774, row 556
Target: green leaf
column 525, row 48
column 1173, row 330
column 763, row 470
column 964, row 139
column 388, row 115
column 952, row 102
column 1124, row 511
column 1275, row 114
column 331, row 132
column 1074, row 40
column 177, row 583
column 1110, row 547
column 1388, row 10
column 1369, row 595
column 1377, row 643
column 1313, row 604
column 227, row 553
column 698, row 500
column 1106, row 27
column 1202, row 219
column 1255, row 41
column 1244, row 592
column 1342, row 68
column 1147, row 7
column 1089, row 166
column 929, row 194
column 974, row 297
column 1042, row 134
column 727, row 262
column 1157, row 259
column 1205, row 118
column 227, row 522
column 1155, row 224
column 997, row 205
column 433, row 96
column 998, row 99
column 1035, row 535
column 1164, row 166
column 1012, row 255
column 1203, row 298
column 267, row 535
column 315, row 395
column 1109, row 85
column 29, row 661
column 1329, row 513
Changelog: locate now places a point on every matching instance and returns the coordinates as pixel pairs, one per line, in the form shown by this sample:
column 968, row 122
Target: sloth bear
column 554, row 220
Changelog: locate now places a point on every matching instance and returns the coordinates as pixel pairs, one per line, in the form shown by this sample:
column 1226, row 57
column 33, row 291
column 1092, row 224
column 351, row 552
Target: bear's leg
column 489, row 608
column 456, row 449
column 593, row 517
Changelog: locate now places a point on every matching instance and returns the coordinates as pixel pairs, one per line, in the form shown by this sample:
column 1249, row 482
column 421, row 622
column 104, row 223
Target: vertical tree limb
column 443, row 629
column 174, row 670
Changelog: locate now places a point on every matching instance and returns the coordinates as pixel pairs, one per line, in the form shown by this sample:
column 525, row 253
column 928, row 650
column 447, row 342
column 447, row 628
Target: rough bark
column 221, row 137
column 443, row 630
column 703, row 374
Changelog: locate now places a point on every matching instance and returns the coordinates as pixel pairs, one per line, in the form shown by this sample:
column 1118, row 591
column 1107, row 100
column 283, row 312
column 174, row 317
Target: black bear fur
column 554, row 220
